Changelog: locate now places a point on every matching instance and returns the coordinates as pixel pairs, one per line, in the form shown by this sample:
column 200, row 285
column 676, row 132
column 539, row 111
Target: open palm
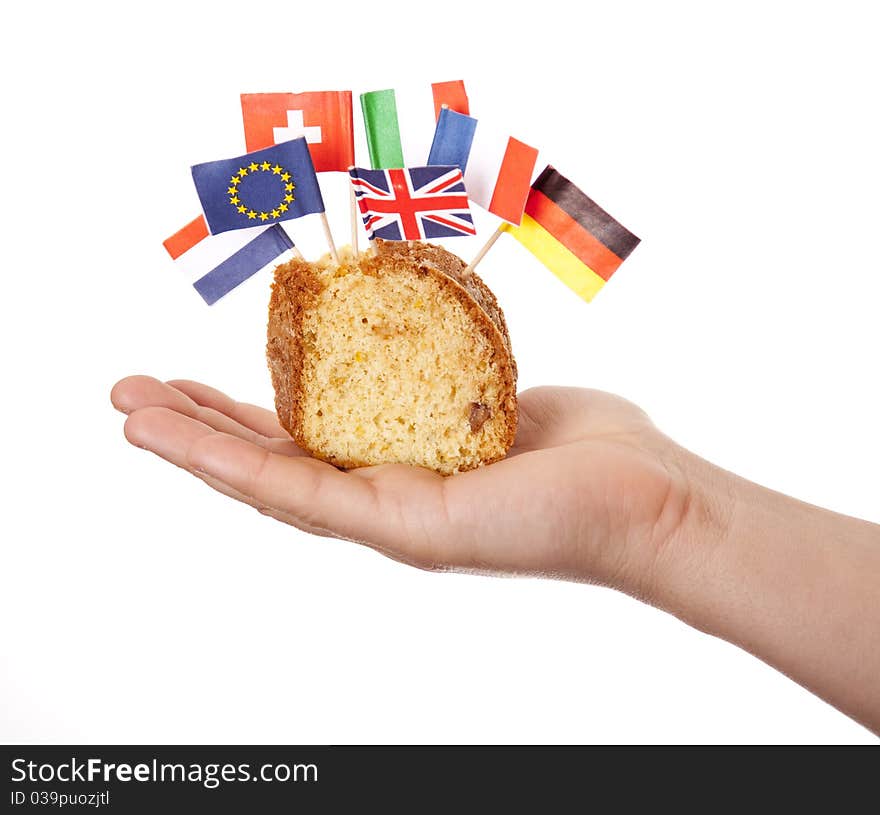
column 589, row 491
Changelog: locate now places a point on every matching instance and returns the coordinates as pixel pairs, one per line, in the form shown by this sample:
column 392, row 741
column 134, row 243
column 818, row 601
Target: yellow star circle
column 236, row 197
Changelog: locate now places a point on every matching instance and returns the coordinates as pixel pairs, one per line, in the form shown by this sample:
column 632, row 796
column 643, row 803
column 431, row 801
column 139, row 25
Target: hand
column 590, row 491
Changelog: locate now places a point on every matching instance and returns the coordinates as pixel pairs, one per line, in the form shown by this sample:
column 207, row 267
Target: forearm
column 796, row 585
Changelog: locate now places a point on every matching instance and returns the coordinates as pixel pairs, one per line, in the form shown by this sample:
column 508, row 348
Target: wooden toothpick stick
column 354, row 220
column 482, row 253
column 329, row 236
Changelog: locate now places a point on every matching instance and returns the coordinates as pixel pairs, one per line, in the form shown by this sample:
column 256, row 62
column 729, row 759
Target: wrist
column 687, row 560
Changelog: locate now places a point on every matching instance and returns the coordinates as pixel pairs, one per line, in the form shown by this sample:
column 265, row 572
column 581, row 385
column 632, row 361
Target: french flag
column 497, row 168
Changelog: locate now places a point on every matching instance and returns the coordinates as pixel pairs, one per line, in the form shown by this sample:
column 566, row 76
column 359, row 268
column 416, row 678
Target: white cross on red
column 296, row 127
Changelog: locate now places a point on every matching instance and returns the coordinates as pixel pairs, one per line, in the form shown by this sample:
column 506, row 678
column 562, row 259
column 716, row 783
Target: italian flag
column 399, row 123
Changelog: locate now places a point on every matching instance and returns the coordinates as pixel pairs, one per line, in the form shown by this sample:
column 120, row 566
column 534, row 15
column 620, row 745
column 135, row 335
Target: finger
column 313, row 492
column 259, row 419
column 136, row 392
column 170, row 434
column 271, row 512
column 396, row 509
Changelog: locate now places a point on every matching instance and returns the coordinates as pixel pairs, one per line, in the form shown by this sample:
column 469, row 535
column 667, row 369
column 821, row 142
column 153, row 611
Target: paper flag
column 400, row 123
column 417, row 203
column 500, row 169
column 572, row 235
column 265, row 186
column 499, row 174
column 324, row 118
column 451, row 94
column 383, row 131
column 246, row 262
column 452, row 139
column 184, row 239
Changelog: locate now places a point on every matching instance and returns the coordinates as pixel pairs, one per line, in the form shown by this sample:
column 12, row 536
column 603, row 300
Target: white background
column 139, row 606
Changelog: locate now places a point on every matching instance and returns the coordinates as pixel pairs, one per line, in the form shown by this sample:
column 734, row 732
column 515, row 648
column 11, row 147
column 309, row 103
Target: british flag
column 413, row 203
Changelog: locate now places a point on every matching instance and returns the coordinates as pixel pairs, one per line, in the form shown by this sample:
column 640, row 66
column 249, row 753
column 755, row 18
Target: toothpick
column 354, row 219
column 297, row 254
column 482, row 253
column 329, row 236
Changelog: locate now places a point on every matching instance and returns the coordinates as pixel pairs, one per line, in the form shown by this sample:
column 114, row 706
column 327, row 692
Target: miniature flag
column 383, row 130
column 245, row 263
column 399, row 123
column 414, row 203
column 323, row 117
column 572, row 235
column 452, row 140
column 185, row 238
column 265, row 186
column 500, row 173
column 452, row 95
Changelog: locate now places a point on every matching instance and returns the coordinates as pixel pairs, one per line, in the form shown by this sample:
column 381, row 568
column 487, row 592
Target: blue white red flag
column 245, row 263
column 414, row 203
column 499, row 174
column 452, row 139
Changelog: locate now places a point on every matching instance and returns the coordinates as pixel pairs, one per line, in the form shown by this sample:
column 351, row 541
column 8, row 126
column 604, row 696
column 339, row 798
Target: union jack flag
column 413, row 203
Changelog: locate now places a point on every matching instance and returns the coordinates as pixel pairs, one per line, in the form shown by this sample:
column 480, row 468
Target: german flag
column 572, row 235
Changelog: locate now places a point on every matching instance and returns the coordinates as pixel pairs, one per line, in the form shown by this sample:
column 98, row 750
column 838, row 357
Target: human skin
column 591, row 492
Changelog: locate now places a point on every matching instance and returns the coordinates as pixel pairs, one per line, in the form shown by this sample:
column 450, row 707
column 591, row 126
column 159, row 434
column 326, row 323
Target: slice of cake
column 394, row 355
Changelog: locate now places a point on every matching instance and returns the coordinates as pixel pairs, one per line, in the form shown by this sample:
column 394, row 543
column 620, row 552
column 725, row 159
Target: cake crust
column 295, row 292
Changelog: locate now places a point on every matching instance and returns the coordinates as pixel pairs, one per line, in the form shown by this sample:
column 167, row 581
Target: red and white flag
column 323, row 117
column 186, row 237
column 451, row 95
column 499, row 173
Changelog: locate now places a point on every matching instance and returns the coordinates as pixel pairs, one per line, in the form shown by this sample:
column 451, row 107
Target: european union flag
column 263, row 187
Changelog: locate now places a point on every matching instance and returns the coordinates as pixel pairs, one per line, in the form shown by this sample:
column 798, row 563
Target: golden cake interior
column 394, row 368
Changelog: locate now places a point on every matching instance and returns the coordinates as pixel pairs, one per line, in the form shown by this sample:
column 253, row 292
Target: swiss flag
column 323, row 117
